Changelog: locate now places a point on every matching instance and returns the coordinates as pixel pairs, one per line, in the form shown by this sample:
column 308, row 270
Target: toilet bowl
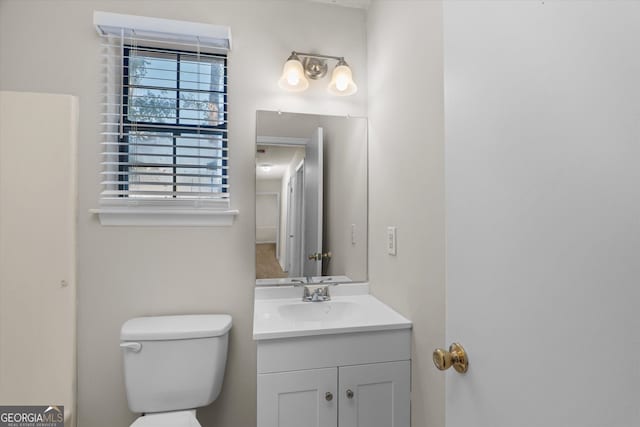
column 173, row 365
column 168, row 419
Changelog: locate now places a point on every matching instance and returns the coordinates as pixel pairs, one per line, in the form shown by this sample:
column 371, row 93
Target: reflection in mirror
column 311, row 198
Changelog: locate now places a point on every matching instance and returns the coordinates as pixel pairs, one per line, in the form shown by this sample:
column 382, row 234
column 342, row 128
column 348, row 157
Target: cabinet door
column 375, row 395
column 298, row 399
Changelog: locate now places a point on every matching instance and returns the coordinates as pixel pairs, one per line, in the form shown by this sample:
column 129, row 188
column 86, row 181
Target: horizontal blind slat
column 186, row 128
column 134, row 44
column 158, row 165
column 209, row 135
column 191, row 175
column 165, row 184
column 160, row 193
column 136, row 144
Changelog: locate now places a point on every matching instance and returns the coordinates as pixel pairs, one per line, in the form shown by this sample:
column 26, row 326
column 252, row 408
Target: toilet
column 173, row 365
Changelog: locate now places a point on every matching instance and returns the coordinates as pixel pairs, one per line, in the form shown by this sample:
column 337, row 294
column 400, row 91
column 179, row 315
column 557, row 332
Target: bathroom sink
column 318, row 311
column 280, row 313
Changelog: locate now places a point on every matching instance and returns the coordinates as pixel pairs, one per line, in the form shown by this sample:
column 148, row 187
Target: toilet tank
column 174, row 362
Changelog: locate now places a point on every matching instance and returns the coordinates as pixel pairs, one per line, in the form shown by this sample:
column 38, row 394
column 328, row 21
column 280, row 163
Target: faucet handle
column 298, row 282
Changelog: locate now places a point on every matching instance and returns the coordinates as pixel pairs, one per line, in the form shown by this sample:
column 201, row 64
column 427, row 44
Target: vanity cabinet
column 342, row 380
column 375, row 395
column 372, row 395
column 300, row 398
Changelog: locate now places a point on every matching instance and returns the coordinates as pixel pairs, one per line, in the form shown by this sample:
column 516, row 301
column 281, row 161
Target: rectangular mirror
column 311, row 198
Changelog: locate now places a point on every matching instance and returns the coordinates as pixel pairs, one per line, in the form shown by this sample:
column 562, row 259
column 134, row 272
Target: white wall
column 345, row 196
column 51, row 46
column 267, row 210
column 406, row 146
column 543, row 212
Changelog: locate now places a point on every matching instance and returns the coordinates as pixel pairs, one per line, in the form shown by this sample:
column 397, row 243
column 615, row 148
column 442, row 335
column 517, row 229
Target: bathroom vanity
column 344, row 362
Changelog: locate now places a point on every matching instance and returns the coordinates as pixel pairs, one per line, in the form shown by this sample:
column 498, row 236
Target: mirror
column 311, row 198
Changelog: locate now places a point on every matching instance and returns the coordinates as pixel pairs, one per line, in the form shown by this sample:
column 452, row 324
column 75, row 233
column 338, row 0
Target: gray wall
column 406, row 146
column 52, row 46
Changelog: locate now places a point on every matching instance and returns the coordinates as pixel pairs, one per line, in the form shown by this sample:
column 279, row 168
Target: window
column 164, row 122
column 173, row 142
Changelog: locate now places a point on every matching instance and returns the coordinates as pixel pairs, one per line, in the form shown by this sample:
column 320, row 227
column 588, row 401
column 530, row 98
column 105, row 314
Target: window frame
column 176, row 129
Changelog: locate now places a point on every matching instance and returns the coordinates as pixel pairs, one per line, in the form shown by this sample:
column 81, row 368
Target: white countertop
column 279, row 312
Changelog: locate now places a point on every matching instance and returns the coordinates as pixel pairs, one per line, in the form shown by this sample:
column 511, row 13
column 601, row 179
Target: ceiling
column 360, row 4
column 278, row 157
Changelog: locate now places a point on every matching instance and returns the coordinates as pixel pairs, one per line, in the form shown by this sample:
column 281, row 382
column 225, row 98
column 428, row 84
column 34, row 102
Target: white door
column 37, row 248
column 375, row 395
column 289, row 263
column 298, row 399
column 313, row 201
column 543, row 212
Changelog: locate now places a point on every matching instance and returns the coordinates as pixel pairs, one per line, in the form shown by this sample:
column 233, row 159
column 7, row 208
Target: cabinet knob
column 349, row 394
column 328, row 396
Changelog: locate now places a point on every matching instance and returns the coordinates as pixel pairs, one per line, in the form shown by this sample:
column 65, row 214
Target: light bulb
column 342, row 82
column 293, row 78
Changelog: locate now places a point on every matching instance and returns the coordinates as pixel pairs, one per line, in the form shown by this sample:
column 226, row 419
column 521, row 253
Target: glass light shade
column 342, row 83
column 293, row 78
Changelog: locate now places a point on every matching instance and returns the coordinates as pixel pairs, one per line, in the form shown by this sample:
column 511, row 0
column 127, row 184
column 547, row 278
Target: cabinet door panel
column 381, row 395
column 298, row 399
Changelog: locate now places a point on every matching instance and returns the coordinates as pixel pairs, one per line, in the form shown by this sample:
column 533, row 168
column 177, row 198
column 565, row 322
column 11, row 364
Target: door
column 313, row 204
column 296, row 399
column 38, row 248
column 288, row 251
column 375, row 395
column 294, row 223
column 543, row 212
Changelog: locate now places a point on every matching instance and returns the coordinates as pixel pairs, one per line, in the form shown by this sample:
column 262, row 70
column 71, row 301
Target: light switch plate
column 391, row 241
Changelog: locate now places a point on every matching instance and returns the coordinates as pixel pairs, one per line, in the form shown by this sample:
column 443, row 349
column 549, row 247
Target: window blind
column 164, row 120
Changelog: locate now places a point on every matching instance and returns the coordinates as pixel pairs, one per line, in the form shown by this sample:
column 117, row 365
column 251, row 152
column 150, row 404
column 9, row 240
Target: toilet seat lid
column 168, row 419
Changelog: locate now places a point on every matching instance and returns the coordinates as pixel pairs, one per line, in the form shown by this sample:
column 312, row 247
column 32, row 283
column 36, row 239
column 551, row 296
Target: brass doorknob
column 319, row 256
column 456, row 357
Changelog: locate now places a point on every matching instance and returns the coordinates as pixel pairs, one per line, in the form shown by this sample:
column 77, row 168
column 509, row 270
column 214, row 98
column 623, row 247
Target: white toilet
column 173, row 365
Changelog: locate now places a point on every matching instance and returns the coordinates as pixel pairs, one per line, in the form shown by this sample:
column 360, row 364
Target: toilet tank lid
column 155, row 328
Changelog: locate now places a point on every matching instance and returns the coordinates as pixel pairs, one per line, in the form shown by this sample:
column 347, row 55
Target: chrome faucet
column 316, row 293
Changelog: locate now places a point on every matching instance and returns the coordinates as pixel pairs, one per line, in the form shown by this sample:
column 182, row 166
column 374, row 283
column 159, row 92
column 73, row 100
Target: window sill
column 164, row 216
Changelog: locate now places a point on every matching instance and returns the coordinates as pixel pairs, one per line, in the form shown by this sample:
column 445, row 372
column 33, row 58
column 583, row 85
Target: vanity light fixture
column 314, row 66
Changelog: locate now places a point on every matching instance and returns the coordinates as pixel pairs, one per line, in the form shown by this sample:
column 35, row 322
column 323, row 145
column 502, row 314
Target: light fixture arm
column 317, row 55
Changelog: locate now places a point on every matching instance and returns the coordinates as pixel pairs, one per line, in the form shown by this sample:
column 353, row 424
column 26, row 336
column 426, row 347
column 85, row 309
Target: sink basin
column 318, row 311
column 279, row 313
